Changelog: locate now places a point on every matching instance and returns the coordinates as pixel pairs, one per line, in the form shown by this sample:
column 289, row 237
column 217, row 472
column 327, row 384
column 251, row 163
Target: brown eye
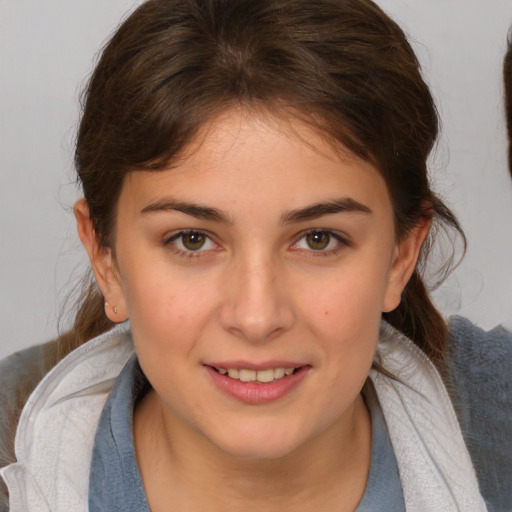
column 193, row 241
column 318, row 240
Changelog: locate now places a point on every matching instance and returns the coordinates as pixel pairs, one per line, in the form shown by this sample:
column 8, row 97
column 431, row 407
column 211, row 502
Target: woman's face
column 254, row 274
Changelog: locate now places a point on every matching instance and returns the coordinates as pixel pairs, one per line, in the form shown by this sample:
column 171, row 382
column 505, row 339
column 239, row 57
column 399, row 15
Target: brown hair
column 343, row 66
column 507, row 82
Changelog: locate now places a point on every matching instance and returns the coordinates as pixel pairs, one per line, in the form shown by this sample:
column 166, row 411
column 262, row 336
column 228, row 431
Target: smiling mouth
column 257, row 376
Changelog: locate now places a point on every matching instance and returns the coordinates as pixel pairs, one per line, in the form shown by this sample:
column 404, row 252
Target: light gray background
column 46, row 52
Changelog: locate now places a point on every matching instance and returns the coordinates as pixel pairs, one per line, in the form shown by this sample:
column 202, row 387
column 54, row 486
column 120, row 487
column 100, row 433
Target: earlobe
column 406, row 256
column 102, row 263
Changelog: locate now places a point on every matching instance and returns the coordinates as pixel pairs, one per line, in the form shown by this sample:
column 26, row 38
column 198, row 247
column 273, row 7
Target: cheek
column 345, row 305
column 350, row 341
column 166, row 307
column 345, row 318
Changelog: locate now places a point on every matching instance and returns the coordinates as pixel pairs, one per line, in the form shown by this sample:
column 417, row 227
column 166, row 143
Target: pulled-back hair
column 342, row 66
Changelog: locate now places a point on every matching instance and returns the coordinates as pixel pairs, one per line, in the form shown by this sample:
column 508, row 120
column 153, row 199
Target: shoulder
column 19, row 375
column 23, row 370
column 479, row 368
column 469, row 340
column 23, row 364
column 479, row 379
column 62, row 415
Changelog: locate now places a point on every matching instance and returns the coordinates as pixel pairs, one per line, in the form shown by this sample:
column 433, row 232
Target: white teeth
column 263, row 376
column 233, row 373
column 279, row 373
column 247, row 375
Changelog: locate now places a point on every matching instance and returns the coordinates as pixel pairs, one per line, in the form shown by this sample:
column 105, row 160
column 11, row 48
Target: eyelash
column 190, row 253
column 184, row 253
column 342, row 242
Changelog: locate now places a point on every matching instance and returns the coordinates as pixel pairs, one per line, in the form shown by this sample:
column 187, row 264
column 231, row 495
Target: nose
column 256, row 305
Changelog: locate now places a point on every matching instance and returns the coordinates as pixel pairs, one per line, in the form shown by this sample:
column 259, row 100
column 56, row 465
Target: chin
column 258, row 443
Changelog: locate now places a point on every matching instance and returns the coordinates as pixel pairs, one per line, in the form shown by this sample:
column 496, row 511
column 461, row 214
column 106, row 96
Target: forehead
column 255, row 159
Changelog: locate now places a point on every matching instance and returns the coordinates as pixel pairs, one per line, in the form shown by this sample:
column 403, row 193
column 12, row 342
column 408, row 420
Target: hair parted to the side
column 343, row 66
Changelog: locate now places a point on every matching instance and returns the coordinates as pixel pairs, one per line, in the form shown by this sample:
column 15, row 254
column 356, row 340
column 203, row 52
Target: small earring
column 114, row 308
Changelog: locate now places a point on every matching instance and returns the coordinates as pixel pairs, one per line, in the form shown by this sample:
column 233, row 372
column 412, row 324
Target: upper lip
column 238, row 365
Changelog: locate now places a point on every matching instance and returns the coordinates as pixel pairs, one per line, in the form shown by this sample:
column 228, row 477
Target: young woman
column 257, row 211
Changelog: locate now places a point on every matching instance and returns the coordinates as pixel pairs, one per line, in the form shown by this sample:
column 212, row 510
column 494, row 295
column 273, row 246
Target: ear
column 406, row 256
column 103, row 264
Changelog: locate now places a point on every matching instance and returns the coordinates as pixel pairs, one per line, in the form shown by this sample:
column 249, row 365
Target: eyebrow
column 343, row 205
column 194, row 210
column 311, row 212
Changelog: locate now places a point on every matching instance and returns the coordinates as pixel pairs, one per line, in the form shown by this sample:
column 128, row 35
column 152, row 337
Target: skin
column 260, row 289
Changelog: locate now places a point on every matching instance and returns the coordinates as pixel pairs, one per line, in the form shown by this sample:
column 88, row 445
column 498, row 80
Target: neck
column 328, row 472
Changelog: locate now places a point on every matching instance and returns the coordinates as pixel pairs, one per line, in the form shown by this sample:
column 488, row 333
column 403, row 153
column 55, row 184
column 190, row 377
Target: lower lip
column 258, row 393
